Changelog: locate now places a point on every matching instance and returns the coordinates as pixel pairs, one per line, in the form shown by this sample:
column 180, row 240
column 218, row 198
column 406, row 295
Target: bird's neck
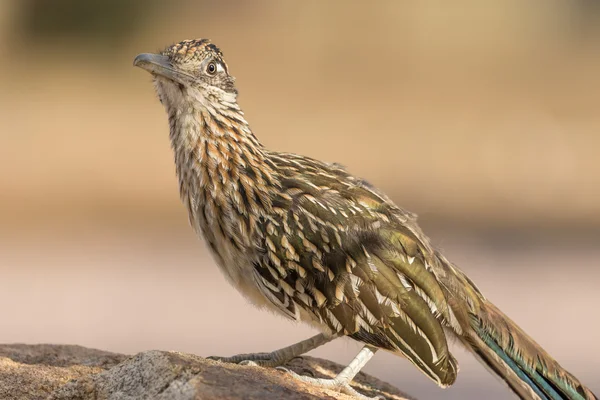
column 224, row 176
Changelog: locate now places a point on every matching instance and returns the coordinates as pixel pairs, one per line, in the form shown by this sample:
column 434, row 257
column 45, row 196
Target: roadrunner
column 316, row 244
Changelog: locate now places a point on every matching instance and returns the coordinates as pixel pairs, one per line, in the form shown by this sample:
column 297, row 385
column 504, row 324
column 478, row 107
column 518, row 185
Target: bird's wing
column 343, row 253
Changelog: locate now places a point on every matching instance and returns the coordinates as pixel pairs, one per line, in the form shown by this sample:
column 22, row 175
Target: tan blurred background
column 481, row 116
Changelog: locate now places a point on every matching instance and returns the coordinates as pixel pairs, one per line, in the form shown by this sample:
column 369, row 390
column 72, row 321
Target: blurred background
column 481, row 116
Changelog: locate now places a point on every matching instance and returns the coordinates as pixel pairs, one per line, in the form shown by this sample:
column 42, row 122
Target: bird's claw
column 249, row 363
column 253, row 360
column 335, row 384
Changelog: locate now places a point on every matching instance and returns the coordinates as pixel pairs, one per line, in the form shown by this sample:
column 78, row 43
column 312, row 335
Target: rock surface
column 32, row 372
column 57, row 372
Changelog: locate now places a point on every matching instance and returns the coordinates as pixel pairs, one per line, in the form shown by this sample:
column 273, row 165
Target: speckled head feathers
column 194, row 51
column 197, row 65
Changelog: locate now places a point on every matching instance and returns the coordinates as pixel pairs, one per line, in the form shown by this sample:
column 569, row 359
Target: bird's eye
column 211, row 68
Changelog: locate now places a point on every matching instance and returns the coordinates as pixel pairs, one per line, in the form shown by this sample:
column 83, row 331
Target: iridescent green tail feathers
column 521, row 363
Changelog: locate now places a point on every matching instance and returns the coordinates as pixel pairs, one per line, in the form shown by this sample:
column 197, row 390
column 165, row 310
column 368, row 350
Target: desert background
column 480, row 116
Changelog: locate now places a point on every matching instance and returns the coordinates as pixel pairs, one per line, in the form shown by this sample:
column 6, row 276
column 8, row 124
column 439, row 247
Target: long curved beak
column 160, row 65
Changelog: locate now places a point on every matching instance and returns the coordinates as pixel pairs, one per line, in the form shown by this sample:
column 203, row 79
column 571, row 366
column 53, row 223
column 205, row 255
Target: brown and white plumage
column 314, row 243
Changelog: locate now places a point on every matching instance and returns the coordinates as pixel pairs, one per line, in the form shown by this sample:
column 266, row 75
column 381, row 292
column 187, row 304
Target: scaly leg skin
column 278, row 357
column 341, row 382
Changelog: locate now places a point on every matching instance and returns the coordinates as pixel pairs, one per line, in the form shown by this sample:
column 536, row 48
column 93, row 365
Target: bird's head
column 190, row 71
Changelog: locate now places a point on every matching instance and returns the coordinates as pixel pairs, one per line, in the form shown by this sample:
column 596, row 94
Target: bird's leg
column 341, row 382
column 281, row 356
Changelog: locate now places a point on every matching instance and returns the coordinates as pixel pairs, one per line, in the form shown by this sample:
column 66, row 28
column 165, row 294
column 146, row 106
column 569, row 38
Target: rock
column 76, row 373
column 60, row 355
column 32, row 372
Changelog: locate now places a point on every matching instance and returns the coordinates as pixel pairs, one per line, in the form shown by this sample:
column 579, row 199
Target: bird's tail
column 518, row 360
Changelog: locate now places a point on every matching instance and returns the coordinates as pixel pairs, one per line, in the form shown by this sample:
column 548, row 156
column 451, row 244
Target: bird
column 312, row 242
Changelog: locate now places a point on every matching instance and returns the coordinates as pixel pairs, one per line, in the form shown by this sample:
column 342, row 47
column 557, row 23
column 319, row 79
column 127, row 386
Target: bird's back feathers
column 370, row 273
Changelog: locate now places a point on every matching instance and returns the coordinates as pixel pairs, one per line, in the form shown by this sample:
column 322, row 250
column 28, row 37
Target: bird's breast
column 220, row 232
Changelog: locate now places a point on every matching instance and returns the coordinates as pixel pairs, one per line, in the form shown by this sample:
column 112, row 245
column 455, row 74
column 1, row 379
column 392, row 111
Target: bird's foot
column 267, row 360
column 278, row 357
column 338, row 384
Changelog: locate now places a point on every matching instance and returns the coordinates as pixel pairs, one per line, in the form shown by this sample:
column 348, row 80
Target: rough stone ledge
column 62, row 372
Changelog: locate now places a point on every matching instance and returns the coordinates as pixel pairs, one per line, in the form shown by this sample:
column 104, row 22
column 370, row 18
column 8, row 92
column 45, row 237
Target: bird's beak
column 160, row 65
